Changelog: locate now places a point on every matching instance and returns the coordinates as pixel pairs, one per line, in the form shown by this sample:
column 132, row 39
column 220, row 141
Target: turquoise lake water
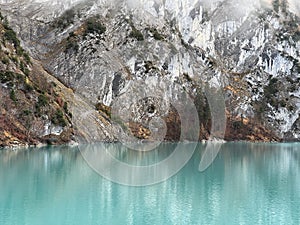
column 246, row 184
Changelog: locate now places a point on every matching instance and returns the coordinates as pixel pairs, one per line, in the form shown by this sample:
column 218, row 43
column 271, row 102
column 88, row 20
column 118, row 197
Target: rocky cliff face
column 102, row 50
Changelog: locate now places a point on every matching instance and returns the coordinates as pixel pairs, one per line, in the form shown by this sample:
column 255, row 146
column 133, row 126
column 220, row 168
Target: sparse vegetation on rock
column 27, row 101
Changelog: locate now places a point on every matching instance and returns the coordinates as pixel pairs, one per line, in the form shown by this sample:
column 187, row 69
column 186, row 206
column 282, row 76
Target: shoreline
column 76, row 144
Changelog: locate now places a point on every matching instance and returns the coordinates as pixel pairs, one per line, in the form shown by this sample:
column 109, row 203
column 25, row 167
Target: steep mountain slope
column 99, row 49
column 32, row 111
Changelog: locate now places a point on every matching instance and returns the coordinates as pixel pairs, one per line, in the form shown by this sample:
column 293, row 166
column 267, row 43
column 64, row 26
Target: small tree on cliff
column 284, row 6
column 276, row 4
column 280, row 6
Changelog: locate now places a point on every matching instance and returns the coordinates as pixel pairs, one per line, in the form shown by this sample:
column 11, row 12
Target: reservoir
column 246, row 183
